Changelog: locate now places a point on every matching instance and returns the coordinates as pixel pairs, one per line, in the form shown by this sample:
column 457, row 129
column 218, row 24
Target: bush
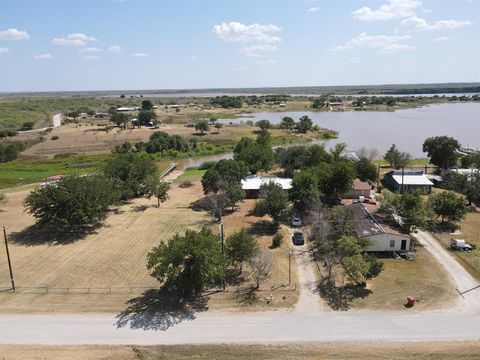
column 55, row 137
column 185, row 184
column 28, row 125
column 207, row 165
column 277, row 240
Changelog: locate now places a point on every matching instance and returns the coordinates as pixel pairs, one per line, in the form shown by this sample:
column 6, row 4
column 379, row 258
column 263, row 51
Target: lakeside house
column 251, row 184
column 359, row 188
column 381, row 237
column 402, row 181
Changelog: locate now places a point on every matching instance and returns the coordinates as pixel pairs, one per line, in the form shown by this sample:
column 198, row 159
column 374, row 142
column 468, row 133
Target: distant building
column 125, row 109
column 381, row 238
column 407, row 180
column 251, row 184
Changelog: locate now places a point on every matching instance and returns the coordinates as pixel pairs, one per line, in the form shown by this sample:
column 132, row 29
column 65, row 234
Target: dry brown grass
column 424, row 278
column 114, row 256
column 371, row 350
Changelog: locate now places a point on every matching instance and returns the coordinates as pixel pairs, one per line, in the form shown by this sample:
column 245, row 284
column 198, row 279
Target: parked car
column 298, row 238
column 295, row 220
column 461, row 245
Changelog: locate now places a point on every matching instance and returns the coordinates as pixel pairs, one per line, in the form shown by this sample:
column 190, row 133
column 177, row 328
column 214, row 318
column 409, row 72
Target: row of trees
column 76, row 203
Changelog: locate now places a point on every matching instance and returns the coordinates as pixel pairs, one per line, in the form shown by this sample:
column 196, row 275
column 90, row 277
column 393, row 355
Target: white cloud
column 238, row 32
column 257, row 50
column 90, row 50
column 14, row 34
column 353, row 60
column 396, row 48
column 43, row 56
column 314, row 9
column 4, row 50
column 139, row 54
column 239, row 68
column 370, row 41
column 115, row 48
column 441, row 39
column 394, row 9
column 416, row 23
column 91, row 57
column 266, row 62
column 77, row 39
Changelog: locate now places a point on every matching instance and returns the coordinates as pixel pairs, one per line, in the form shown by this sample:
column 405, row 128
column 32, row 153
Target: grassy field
column 114, row 256
column 470, row 231
column 424, row 278
column 371, row 350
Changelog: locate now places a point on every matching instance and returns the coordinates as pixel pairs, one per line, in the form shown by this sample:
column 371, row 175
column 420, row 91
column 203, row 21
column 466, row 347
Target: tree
column 472, row 188
column 28, row 125
column 216, row 203
column 287, row 123
column 261, row 265
column 218, row 126
column 235, row 194
column 146, row 116
column 240, row 247
column 202, row 126
column 264, row 139
column 257, row 156
column 411, row 208
column 366, row 169
column 448, row 205
column 73, row 114
column 396, row 158
column 120, row 119
column 223, row 173
column 188, row 264
column 471, row 160
column 452, row 180
column 304, row 125
column 274, row 200
column 71, row 204
column 442, row 151
column 147, row 105
column 264, row 124
column 154, row 186
column 127, row 173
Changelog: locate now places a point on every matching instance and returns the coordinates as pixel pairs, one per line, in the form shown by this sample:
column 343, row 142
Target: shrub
column 28, row 125
column 277, row 240
column 207, row 165
column 55, row 137
column 186, row 184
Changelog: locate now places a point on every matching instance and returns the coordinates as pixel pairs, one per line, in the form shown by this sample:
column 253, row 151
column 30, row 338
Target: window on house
column 392, row 243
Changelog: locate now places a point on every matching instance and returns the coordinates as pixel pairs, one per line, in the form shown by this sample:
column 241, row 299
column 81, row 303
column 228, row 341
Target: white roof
column 466, row 171
column 254, row 182
column 412, row 180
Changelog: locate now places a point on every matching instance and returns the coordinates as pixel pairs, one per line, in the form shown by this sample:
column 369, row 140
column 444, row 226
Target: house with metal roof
column 403, row 181
column 251, row 184
column 381, row 237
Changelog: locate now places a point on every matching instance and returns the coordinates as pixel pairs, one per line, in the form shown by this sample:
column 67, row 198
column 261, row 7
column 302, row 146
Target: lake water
column 407, row 128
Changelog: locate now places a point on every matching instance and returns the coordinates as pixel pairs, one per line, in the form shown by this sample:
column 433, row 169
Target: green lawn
column 192, row 174
column 20, row 172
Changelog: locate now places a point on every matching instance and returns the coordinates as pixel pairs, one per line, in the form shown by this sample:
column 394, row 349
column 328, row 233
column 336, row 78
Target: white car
column 295, row 220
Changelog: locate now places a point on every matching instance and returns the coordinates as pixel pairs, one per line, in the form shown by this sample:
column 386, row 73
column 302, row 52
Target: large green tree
column 154, row 186
column 366, row 169
column 255, row 155
column 128, row 172
column 442, row 151
column 240, row 247
column 448, row 205
column 304, row 125
column 188, row 264
column 202, row 126
column 274, row 200
column 71, row 204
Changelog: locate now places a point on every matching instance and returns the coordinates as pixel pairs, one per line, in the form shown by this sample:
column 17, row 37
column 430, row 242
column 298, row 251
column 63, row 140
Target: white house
column 381, row 237
column 251, row 184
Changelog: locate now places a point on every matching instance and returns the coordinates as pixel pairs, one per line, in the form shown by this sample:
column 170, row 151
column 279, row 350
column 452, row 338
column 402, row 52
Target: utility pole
column 222, row 239
column 289, row 267
column 8, row 258
column 403, row 175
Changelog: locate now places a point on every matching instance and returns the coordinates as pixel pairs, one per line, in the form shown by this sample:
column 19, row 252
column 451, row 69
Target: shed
column 251, row 184
column 359, row 188
column 382, row 238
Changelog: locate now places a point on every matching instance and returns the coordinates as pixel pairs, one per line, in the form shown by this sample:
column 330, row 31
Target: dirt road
column 461, row 278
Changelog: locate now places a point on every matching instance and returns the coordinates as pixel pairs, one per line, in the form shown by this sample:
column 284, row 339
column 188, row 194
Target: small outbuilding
column 382, row 238
column 251, row 184
column 359, row 188
column 403, row 181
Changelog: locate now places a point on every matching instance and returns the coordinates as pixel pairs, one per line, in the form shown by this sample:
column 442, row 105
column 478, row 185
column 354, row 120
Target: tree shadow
column 157, row 309
column 341, row 297
column 140, row 208
column 38, row 235
column 263, row 228
column 247, row 296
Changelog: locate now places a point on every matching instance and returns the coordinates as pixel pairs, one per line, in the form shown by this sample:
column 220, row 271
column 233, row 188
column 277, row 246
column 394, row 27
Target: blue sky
column 51, row 45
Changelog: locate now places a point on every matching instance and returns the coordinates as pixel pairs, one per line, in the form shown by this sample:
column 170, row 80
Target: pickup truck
column 461, row 245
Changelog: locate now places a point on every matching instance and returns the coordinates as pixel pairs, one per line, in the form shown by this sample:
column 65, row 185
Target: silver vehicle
column 295, row 220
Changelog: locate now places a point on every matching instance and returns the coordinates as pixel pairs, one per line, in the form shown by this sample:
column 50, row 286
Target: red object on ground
column 55, row 178
column 410, row 300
